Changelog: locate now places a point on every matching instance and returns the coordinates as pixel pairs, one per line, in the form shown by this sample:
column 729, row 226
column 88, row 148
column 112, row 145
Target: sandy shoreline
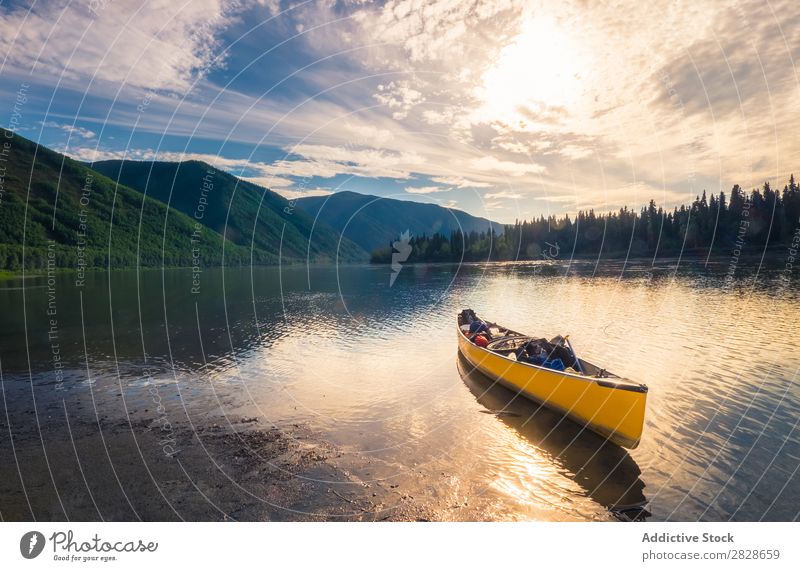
column 242, row 471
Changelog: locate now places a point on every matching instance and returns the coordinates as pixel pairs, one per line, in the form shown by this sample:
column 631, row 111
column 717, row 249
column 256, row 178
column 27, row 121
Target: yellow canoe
column 605, row 403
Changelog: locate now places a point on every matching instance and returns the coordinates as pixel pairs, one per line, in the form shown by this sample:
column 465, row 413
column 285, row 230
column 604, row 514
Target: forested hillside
column 54, row 207
column 721, row 224
column 246, row 214
column 372, row 221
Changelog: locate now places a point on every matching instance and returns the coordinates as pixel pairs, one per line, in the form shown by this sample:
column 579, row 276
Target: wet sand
column 226, row 469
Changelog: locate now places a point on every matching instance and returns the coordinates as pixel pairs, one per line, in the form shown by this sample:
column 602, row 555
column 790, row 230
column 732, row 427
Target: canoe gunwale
column 610, row 383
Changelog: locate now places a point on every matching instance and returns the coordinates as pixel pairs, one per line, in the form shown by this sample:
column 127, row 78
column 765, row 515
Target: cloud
column 241, row 168
column 556, row 198
column 90, row 154
column 503, row 194
column 368, row 135
column 736, row 102
column 327, row 161
column 575, row 152
column 569, row 97
column 398, row 97
column 429, row 31
column 515, row 147
column 612, row 198
column 271, row 182
column 722, row 73
column 71, row 129
column 295, row 194
column 460, row 182
column 424, row 189
column 442, row 116
column 509, row 168
column 160, row 45
column 496, row 205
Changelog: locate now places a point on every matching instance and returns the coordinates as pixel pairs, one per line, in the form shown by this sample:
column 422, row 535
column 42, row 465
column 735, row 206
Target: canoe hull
column 611, row 410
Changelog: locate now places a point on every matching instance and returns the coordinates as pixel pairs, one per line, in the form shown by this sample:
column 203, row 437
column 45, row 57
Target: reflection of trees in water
column 605, row 471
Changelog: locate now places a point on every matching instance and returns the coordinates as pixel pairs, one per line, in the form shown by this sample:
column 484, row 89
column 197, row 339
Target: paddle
column 577, row 361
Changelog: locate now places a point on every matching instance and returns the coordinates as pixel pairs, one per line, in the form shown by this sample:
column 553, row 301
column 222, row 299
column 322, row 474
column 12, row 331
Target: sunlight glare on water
column 374, row 370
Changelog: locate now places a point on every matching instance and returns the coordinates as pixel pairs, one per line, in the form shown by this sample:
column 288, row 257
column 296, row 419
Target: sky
column 506, row 109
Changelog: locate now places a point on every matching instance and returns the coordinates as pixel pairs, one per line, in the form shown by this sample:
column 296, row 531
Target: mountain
column 76, row 217
column 373, row 222
column 246, row 214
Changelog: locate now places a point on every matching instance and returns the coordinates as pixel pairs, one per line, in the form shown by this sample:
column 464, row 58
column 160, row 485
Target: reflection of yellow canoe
column 606, row 472
column 605, row 403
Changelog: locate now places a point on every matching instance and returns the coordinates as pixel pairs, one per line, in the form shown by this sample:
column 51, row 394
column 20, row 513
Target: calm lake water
column 373, row 370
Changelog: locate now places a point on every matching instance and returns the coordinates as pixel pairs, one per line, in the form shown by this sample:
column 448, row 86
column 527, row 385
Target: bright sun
column 541, row 68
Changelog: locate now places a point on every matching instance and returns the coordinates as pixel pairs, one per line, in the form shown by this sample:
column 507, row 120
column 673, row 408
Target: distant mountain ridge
column 373, row 222
column 56, row 212
column 248, row 215
column 116, row 214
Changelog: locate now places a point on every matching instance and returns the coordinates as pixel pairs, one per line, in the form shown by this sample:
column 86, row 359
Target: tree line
column 761, row 218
